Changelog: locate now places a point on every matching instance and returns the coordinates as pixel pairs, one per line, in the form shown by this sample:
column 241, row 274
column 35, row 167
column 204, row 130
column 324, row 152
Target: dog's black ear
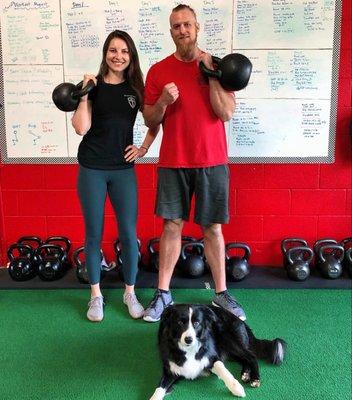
column 209, row 316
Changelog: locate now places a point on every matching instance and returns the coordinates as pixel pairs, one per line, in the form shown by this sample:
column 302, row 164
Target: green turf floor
column 48, row 350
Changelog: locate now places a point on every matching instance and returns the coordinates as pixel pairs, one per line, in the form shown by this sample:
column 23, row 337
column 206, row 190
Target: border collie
column 195, row 339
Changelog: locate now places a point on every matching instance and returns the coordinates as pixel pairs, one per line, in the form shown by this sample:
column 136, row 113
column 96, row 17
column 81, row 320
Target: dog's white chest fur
column 191, row 369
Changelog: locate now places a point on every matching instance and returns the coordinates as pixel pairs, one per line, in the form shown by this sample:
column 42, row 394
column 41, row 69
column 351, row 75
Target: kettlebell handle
column 80, row 91
column 151, row 244
column 238, row 245
column 284, row 243
column 62, row 239
column 212, row 73
column 192, row 244
column 334, row 247
column 304, row 249
column 22, row 248
column 321, row 242
column 58, row 250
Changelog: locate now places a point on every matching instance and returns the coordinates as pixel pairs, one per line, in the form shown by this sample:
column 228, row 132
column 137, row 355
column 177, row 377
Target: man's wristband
column 146, row 148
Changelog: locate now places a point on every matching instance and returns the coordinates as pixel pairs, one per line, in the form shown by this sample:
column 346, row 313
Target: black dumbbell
column 237, row 267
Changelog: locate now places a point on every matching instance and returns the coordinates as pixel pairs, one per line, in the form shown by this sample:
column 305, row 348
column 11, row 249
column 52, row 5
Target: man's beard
column 186, row 49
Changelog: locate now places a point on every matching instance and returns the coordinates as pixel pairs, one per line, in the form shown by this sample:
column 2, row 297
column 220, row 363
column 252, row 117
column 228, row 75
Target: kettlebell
column 65, row 244
column 316, row 247
column 34, row 242
column 51, row 257
column 297, row 262
column 66, row 96
column 233, row 71
column 21, row 267
column 153, row 254
column 237, row 268
column 81, row 268
column 290, row 243
column 186, row 239
column 347, row 264
column 192, row 264
column 330, row 260
column 348, row 261
column 118, row 252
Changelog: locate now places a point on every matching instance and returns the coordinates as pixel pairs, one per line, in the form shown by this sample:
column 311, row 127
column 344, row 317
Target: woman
column 106, row 153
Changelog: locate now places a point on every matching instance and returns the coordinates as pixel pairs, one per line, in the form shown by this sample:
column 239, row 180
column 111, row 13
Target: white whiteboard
column 286, row 114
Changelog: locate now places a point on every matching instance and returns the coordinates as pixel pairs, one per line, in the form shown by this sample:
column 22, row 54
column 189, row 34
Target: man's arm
column 154, row 114
column 222, row 102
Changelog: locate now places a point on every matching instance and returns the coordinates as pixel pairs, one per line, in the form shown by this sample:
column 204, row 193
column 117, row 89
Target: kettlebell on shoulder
column 66, row 96
column 233, row 71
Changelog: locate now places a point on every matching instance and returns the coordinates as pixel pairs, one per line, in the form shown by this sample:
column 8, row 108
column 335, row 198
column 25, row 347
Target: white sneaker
column 135, row 308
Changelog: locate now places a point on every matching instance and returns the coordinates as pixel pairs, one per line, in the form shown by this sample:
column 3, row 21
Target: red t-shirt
column 193, row 136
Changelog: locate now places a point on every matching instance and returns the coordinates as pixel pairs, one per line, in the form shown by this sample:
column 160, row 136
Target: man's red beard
column 185, row 49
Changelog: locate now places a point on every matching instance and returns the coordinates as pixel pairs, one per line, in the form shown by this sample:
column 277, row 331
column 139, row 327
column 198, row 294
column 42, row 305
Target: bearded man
column 193, row 157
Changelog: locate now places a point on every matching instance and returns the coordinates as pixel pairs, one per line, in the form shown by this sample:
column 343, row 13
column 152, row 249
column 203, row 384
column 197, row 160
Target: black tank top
column 114, row 111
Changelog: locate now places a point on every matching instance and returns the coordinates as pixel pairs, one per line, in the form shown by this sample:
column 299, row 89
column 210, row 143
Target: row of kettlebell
column 192, row 262
column 331, row 257
column 31, row 256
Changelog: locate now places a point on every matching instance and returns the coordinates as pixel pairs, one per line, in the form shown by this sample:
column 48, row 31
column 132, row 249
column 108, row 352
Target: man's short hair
column 184, row 7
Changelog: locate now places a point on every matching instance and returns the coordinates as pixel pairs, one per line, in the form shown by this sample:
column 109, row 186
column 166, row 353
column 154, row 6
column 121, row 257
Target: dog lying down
column 195, row 339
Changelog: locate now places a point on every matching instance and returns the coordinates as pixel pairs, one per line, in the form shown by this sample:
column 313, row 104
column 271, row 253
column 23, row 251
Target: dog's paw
column 236, row 388
column 255, row 383
column 246, row 377
column 158, row 394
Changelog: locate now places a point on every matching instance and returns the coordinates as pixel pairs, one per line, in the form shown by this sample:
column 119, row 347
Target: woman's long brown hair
column 133, row 73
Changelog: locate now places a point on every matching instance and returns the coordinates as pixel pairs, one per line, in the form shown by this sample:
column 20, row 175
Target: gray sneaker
column 95, row 311
column 226, row 301
column 157, row 306
column 135, row 308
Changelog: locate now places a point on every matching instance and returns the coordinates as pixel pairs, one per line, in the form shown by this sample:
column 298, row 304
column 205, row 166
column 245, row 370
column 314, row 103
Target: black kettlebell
column 22, row 266
column 34, row 242
column 66, row 96
column 153, row 254
column 291, row 243
column 192, row 264
column 330, row 260
column 348, row 261
column 237, row 268
column 316, row 247
column 347, row 264
column 118, row 252
column 233, row 71
column 51, row 257
column 81, row 268
column 65, row 244
column 297, row 262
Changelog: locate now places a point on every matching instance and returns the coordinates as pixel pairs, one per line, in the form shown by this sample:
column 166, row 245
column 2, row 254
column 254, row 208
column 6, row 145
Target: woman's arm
column 82, row 117
column 133, row 152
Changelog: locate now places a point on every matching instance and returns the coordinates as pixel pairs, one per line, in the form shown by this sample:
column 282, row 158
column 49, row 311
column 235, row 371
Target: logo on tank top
column 131, row 100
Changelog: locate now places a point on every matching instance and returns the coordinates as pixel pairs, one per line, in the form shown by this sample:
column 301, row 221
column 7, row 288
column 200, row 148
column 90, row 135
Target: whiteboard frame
column 330, row 158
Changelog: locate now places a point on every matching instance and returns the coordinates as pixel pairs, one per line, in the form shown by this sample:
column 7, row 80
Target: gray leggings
column 121, row 186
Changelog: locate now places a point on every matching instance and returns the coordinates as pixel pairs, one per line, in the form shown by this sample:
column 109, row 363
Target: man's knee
column 173, row 227
column 212, row 231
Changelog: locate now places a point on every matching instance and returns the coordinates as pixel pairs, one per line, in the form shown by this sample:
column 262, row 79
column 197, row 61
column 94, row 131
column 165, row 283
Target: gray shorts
column 210, row 186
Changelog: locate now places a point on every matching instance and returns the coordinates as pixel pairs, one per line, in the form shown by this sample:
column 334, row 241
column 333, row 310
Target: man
column 193, row 157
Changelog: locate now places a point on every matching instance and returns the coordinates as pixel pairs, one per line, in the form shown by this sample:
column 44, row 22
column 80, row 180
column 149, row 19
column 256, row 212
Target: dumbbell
column 237, row 267
column 296, row 258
